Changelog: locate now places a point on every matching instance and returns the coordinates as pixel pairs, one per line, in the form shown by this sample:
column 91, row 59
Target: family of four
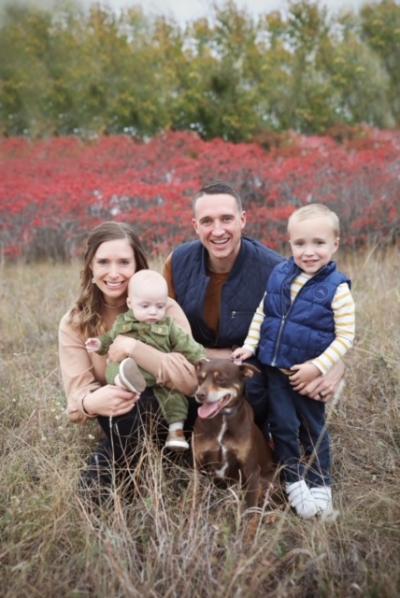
column 129, row 344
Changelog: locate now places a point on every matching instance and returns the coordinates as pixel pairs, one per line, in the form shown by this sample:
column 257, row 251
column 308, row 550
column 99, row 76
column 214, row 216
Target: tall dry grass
column 53, row 544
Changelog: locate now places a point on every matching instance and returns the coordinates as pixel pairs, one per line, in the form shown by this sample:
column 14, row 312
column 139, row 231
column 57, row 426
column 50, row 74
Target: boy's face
column 313, row 242
column 149, row 304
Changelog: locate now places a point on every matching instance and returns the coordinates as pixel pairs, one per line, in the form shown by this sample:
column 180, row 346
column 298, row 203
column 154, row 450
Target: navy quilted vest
column 241, row 293
column 294, row 333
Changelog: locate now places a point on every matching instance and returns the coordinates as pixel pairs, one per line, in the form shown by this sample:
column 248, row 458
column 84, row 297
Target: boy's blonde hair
column 311, row 211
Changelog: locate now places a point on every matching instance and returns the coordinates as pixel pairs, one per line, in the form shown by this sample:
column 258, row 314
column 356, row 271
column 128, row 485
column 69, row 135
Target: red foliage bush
column 57, row 189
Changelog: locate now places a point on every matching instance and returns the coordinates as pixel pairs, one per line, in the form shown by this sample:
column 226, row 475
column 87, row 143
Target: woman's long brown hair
column 87, row 311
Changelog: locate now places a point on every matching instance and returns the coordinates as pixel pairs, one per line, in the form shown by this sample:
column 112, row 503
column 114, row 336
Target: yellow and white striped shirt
column 343, row 314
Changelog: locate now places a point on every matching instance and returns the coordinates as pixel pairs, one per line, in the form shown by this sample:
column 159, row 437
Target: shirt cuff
column 250, row 349
column 319, row 366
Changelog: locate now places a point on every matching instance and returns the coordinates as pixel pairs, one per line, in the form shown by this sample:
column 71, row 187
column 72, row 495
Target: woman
column 113, row 254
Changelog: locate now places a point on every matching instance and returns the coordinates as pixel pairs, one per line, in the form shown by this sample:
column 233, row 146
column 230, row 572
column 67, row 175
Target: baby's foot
column 130, row 376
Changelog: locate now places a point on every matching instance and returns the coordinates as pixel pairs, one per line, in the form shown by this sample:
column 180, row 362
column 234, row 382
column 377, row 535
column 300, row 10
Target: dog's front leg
column 196, row 485
column 252, row 498
column 252, row 483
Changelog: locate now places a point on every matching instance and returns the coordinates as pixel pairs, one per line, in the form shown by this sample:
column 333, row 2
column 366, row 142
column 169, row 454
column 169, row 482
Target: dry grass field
column 53, row 544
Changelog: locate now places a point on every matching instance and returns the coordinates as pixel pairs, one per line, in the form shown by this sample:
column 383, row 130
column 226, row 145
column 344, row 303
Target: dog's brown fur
column 226, row 442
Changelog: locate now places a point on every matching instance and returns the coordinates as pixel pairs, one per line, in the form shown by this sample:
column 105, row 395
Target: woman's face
column 112, row 266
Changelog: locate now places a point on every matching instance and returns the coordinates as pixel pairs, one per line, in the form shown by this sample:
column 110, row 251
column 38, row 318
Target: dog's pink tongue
column 208, row 409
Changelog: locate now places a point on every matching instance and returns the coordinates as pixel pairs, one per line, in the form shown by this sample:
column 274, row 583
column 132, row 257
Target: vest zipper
column 281, row 327
column 284, row 318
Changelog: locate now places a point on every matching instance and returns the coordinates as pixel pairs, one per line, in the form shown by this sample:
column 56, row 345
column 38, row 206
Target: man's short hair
column 218, row 188
column 311, row 211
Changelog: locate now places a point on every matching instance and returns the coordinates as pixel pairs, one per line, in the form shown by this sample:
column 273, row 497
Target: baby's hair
column 144, row 277
column 313, row 210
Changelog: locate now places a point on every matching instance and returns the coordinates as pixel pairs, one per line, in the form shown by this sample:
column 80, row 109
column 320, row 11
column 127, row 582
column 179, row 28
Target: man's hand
column 324, row 387
column 92, row 345
column 303, row 374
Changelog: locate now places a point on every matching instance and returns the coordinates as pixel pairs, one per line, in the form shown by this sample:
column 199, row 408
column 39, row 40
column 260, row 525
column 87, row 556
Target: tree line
column 76, row 71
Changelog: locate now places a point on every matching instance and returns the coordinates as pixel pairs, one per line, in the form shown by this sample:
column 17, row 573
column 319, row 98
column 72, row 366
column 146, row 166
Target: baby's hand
column 240, row 354
column 92, row 345
column 303, row 373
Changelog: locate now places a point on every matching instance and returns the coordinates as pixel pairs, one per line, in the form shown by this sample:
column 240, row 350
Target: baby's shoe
column 322, row 496
column 301, row 499
column 176, row 440
column 130, row 375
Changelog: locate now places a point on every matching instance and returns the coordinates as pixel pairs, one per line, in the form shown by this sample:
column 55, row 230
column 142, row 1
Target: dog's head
column 221, row 384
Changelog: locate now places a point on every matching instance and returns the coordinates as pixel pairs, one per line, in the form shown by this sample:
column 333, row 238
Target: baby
column 146, row 321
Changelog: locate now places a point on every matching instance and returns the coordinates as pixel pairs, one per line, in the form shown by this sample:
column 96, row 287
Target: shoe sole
column 130, row 375
column 176, row 445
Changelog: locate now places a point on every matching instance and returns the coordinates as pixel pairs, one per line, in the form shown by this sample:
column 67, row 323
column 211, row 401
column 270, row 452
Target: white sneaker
column 322, row 496
column 301, row 499
column 176, row 440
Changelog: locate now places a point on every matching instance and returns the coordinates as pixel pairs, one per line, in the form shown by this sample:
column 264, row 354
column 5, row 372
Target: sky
column 186, row 10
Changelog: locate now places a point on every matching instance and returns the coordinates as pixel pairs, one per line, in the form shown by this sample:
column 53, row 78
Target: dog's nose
column 200, row 396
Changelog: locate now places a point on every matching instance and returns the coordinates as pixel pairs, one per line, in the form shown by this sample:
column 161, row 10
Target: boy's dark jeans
column 298, row 422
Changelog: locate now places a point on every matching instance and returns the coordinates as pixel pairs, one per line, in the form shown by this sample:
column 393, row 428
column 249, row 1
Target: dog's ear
column 199, row 365
column 248, row 370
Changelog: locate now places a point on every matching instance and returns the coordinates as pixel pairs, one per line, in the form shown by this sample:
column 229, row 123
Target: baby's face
column 148, row 305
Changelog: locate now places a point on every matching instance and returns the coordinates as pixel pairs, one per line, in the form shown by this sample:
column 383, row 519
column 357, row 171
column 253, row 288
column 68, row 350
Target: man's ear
column 195, row 225
column 129, row 302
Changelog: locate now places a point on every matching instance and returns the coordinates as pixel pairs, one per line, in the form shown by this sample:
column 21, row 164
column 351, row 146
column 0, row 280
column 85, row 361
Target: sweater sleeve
column 344, row 316
column 253, row 336
column 76, row 367
column 184, row 343
column 106, row 340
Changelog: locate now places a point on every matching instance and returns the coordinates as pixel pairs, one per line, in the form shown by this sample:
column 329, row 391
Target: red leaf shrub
column 66, row 186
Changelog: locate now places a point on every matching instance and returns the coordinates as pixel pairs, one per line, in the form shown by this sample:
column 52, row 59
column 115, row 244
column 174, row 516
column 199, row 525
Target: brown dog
column 226, row 442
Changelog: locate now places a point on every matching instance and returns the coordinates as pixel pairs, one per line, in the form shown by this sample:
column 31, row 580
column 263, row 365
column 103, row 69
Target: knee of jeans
column 256, row 391
column 284, row 428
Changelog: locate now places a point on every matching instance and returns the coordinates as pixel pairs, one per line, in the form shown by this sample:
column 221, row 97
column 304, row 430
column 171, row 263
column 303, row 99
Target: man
column 219, row 281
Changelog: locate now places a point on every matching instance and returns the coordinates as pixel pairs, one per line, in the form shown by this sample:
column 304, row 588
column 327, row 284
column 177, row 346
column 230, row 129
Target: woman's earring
column 93, row 280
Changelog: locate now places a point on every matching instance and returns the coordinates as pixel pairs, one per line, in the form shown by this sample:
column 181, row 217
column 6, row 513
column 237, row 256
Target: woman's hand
column 110, row 400
column 122, row 347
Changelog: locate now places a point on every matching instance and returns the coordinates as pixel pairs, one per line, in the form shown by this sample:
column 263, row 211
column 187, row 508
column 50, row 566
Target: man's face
column 219, row 224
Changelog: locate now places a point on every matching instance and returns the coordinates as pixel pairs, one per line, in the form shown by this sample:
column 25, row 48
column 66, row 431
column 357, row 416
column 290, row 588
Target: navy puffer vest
column 241, row 293
column 294, row 333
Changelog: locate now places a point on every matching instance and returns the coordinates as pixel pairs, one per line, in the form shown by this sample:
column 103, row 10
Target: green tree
column 218, row 91
column 24, row 75
column 380, row 27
